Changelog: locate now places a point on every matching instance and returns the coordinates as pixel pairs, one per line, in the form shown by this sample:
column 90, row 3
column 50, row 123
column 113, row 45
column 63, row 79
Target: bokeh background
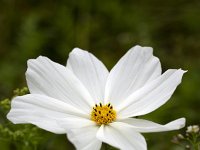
column 107, row 28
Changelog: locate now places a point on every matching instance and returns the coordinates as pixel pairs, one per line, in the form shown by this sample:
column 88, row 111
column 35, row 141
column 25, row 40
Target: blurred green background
column 107, row 28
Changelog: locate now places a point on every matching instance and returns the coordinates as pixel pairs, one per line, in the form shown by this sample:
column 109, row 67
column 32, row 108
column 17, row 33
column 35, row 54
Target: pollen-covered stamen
column 103, row 114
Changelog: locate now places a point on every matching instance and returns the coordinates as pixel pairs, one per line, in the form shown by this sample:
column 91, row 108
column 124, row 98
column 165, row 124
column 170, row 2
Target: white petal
column 121, row 136
column 49, row 78
column 85, row 138
column 75, row 123
column 135, row 69
column 90, row 71
column 42, row 111
column 145, row 126
column 152, row 95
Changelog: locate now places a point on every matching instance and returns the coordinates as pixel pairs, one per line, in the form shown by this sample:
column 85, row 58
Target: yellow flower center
column 103, row 114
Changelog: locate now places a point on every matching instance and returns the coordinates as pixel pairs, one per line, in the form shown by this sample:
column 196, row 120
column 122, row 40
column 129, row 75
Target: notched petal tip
column 181, row 122
column 11, row 116
column 137, row 46
column 183, row 71
column 30, row 61
column 147, row 51
column 143, row 47
column 76, row 50
column 8, row 116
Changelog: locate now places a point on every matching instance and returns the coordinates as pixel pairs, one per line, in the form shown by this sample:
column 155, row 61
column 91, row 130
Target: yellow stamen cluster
column 103, row 114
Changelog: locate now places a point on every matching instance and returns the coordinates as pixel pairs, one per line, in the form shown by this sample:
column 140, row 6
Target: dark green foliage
column 20, row 137
column 107, row 28
column 25, row 136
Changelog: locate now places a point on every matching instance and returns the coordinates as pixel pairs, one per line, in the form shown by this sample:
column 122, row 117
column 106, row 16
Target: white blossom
column 92, row 105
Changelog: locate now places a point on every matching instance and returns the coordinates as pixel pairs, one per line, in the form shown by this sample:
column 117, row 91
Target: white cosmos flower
column 93, row 105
